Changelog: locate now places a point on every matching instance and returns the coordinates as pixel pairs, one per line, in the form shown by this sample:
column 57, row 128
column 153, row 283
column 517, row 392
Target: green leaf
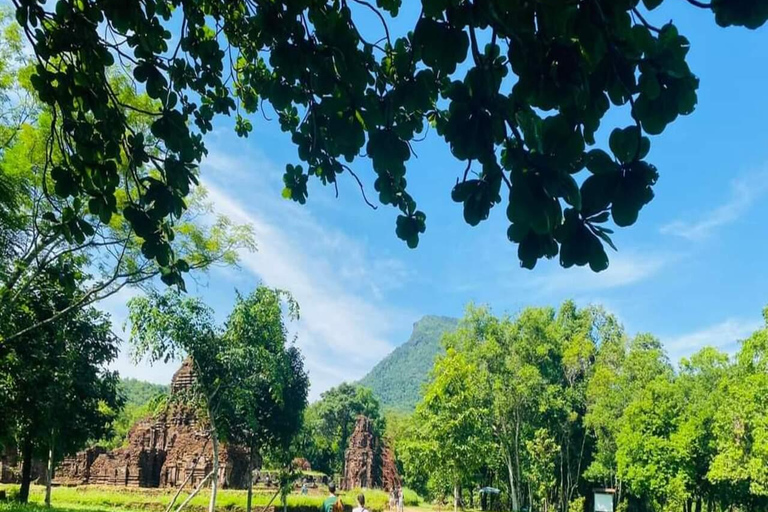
column 599, row 162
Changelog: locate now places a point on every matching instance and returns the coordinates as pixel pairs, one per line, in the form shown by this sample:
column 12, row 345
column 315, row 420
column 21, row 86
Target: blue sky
column 691, row 271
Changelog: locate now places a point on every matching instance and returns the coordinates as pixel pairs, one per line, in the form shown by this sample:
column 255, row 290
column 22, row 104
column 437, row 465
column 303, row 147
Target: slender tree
column 232, row 366
column 55, row 378
column 269, row 402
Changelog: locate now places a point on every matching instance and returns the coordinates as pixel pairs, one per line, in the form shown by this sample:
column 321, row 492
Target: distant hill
column 138, row 392
column 397, row 379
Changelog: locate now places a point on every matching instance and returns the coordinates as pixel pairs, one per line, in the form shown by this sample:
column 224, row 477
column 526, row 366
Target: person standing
column 331, row 500
column 360, row 504
column 400, row 500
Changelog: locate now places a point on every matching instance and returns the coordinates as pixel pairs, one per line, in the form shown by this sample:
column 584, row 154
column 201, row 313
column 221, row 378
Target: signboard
column 603, row 502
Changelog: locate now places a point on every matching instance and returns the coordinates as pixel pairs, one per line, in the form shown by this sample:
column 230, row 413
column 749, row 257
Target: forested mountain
column 139, row 392
column 397, row 379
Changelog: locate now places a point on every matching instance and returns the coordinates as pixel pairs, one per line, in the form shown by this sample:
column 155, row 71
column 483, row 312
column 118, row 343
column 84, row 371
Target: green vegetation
column 138, row 392
column 250, row 385
column 329, row 422
column 517, row 90
column 398, row 378
column 97, row 499
column 550, row 404
column 142, row 399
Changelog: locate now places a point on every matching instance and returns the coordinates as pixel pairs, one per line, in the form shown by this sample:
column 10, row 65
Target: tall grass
column 98, row 498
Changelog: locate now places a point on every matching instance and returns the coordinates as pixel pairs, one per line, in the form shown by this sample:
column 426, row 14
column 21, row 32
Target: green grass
column 99, row 499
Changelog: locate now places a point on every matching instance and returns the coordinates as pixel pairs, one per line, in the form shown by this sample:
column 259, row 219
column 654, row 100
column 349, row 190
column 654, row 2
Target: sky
column 690, row 271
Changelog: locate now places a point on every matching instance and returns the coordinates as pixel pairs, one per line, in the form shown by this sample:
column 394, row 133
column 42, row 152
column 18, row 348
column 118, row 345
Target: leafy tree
column 58, row 392
column 741, row 425
column 336, row 413
column 269, row 402
column 167, row 326
column 33, row 238
column 452, row 422
column 647, row 458
column 232, row 366
column 517, row 90
column 623, row 368
column 535, row 368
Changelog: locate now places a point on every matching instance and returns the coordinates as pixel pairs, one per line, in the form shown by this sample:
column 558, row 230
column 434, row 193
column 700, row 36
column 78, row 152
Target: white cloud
column 342, row 332
column 623, row 270
column 744, row 192
column 346, row 323
column 723, row 335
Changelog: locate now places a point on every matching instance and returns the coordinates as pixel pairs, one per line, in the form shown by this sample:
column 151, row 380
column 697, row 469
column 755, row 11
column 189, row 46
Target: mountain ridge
column 396, row 380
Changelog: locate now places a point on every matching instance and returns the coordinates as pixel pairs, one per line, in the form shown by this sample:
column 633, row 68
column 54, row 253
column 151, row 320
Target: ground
column 120, row 499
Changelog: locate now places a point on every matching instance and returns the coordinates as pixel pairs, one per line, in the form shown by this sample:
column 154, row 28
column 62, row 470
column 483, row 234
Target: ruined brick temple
column 160, row 451
column 368, row 461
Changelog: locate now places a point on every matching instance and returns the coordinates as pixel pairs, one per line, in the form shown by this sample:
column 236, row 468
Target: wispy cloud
column 342, row 332
column 723, row 335
column 743, row 194
column 623, row 270
column 346, row 323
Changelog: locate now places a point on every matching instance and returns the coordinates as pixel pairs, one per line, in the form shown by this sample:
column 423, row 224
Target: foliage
column 38, row 228
column 265, row 408
column 249, row 385
column 139, row 392
column 564, row 401
column 330, row 421
column 270, row 400
column 453, row 433
column 58, row 393
column 129, row 415
column 396, row 380
column 522, row 109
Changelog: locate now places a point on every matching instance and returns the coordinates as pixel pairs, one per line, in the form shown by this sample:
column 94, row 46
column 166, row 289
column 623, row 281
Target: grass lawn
column 108, row 498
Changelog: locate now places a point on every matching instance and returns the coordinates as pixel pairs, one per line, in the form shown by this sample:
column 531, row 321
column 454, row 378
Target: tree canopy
column 56, row 392
column 517, row 90
column 331, row 420
column 37, row 228
column 550, row 404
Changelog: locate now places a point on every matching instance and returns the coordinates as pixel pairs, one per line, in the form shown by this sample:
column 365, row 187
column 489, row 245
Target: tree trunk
column 26, row 470
column 456, row 497
column 250, row 481
column 698, row 504
column 49, row 473
column 512, row 488
column 215, row 478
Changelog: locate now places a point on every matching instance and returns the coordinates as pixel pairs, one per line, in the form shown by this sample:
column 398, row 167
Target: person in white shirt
column 360, row 504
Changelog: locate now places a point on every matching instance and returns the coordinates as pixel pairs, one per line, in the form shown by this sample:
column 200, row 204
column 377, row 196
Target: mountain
column 138, row 392
column 397, row 379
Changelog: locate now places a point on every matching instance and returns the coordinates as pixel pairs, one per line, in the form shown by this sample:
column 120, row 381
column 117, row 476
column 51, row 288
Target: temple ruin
column 368, row 461
column 160, row 451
